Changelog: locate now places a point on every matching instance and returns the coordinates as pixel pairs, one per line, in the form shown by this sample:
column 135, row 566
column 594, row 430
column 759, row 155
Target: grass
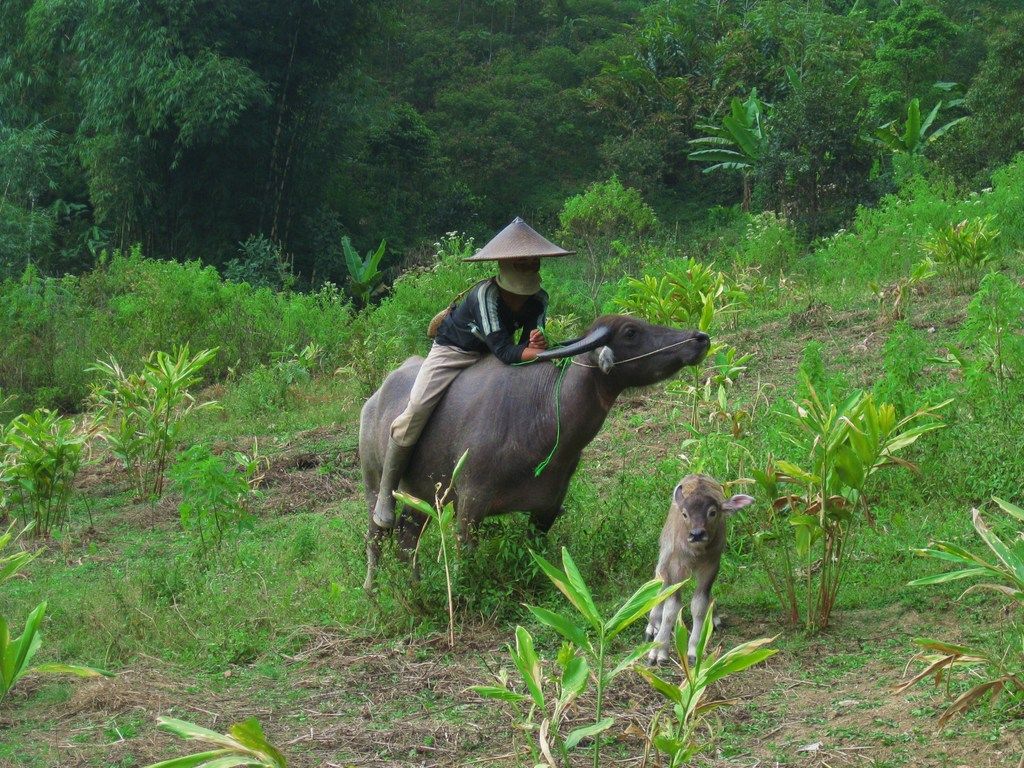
column 277, row 626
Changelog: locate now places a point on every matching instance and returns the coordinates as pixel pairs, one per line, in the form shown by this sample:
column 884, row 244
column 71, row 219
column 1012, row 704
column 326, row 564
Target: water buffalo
column 505, row 417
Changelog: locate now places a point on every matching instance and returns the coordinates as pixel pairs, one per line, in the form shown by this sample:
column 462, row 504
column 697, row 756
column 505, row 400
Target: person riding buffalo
column 485, row 322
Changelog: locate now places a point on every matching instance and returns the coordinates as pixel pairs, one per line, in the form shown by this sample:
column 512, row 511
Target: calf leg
column 670, row 609
column 706, row 576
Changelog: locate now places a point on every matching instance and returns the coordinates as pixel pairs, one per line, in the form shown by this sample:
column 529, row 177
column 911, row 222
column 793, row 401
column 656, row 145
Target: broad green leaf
column 629, row 659
column 639, row 604
column 192, row 731
column 563, row 626
column 580, row 588
column 669, row 690
column 192, row 761
column 415, row 503
column 1006, row 555
column 1010, row 509
column 582, row 603
column 497, row 692
column 574, row 678
column 943, row 578
column 528, row 664
column 71, row 669
column 594, row 729
column 739, row 658
column 250, row 735
column 459, row 465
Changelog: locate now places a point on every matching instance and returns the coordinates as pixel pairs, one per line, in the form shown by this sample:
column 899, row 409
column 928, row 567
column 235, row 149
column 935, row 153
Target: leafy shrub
column 128, row 305
column 964, row 249
column 992, row 331
column 216, row 493
column 844, row 445
column 41, row 457
column 582, row 657
column 262, row 265
column 904, row 358
column 602, row 222
column 243, row 745
column 991, row 674
column 678, row 736
column 770, row 243
column 138, row 414
column 690, row 293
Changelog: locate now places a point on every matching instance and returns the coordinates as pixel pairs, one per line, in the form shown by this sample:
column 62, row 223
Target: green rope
column 563, row 364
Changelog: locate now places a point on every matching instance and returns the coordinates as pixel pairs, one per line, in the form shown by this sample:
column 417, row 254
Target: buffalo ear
column 605, row 359
column 739, row 501
column 677, row 496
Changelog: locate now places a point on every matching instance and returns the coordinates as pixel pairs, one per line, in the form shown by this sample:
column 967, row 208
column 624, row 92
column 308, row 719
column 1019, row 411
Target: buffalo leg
column 542, row 520
column 374, row 535
column 407, row 535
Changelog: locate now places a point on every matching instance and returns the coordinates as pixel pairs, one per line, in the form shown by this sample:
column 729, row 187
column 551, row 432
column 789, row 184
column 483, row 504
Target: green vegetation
column 40, row 455
column 584, row 654
column 679, row 736
column 138, row 414
column 1000, row 672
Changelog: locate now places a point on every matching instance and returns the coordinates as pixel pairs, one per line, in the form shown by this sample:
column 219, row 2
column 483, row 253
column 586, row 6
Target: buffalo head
column 632, row 352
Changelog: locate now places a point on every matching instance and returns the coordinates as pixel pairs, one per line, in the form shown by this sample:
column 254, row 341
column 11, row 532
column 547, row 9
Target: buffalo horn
column 592, row 340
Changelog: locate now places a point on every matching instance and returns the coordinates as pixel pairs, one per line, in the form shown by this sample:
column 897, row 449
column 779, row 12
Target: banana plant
column 913, row 136
column 16, row 655
column 362, row 273
column 738, row 144
column 676, row 736
column 582, row 658
column 243, row 745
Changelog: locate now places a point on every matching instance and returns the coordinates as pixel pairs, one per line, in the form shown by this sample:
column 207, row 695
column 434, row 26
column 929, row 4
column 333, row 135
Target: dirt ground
column 352, row 702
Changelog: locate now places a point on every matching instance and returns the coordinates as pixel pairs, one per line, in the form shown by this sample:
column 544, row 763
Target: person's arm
column 493, row 332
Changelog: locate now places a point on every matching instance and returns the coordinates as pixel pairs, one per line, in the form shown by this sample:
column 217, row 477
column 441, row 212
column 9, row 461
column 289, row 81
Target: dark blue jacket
column 483, row 322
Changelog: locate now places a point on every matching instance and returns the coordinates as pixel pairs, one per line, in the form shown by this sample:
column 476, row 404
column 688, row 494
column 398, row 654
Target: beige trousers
column 438, row 371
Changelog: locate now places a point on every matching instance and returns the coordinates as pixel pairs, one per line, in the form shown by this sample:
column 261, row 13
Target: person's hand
column 537, row 339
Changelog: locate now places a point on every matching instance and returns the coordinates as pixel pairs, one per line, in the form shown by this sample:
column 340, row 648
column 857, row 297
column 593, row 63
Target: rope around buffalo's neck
column 563, row 366
column 637, row 357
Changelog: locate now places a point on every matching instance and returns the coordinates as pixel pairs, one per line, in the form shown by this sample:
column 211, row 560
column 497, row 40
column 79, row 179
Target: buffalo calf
column 692, row 541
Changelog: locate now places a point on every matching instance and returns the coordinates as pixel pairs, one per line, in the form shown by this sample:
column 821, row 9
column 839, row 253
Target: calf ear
column 677, row 496
column 739, row 501
column 605, row 359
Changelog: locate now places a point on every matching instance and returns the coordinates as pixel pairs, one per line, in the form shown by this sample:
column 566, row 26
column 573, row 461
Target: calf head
column 631, row 352
column 703, row 507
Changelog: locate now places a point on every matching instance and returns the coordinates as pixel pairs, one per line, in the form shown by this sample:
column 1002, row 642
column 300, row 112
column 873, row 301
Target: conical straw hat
column 517, row 241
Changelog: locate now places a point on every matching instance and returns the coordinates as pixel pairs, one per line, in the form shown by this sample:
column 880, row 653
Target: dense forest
column 249, row 134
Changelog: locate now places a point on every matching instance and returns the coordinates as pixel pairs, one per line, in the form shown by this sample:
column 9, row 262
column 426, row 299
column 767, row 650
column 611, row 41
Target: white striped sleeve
column 487, row 300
